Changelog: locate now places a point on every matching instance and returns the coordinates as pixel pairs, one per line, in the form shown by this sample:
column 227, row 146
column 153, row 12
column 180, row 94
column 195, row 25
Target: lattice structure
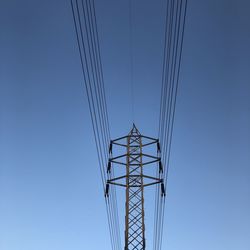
column 134, row 180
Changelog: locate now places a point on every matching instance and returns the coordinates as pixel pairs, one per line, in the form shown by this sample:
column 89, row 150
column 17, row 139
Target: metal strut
column 134, row 180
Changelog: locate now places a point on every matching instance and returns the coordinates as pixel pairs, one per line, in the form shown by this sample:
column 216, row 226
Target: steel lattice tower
column 134, row 180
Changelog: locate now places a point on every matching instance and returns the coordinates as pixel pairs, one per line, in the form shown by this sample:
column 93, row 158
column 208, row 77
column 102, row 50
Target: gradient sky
column 50, row 187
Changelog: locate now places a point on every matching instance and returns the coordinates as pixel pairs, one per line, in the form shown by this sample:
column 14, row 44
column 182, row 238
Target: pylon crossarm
column 118, row 157
column 150, row 162
column 150, row 156
column 120, row 138
column 117, row 184
column 149, row 143
column 157, row 159
column 150, row 177
column 119, row 162
column 133, row 176
column 152, row 183
column 134, row 186
column 135, row 164
column 117, row 178
column 119, row 144
column 149, row 138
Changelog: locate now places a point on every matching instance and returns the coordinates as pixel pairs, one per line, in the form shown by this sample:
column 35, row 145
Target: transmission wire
column 92, row 106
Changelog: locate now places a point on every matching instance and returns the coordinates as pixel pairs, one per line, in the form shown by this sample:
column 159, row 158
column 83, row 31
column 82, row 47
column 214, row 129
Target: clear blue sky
column 50, row 187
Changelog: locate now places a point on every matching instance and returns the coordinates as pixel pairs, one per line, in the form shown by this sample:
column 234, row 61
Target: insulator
column 109, row 167
column 163, row 190
column 110, row 147
column 158, row 147
column 160, row 167
column 107, row 190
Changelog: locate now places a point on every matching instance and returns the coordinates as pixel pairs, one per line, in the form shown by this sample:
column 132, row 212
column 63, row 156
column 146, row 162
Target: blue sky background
column 50, row 187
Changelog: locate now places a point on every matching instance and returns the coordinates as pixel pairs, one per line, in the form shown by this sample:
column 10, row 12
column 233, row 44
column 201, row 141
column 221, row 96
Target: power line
column 164, row 97
column 175, row 21
column 89, row 50
column 97, row 71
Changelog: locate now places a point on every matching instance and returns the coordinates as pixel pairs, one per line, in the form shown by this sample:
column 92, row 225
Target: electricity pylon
column 134, row 180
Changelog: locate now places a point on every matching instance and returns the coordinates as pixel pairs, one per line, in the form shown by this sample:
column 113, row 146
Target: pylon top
column 134, row 130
